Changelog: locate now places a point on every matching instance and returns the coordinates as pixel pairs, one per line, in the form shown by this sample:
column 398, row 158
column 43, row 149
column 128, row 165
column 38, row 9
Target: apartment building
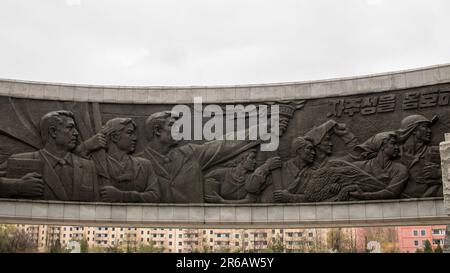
column 176, row 240
column 414, row 237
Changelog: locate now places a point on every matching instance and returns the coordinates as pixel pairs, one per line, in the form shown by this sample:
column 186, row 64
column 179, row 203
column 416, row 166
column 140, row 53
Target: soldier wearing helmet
column 420, row 157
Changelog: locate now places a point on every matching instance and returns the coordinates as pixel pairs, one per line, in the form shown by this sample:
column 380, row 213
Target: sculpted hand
column 110, row 194
column 31, row 185
column 341, row 129
column 214, row 197
column 432, row 171
column 281, row 196
column 273, row 163
column 96, row 142
column 357, row 193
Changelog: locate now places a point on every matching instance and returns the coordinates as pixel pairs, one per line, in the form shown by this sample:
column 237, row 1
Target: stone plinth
column 428, row 211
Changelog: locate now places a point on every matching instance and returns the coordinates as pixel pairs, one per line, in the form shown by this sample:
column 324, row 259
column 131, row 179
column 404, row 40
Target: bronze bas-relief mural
column 364, row 147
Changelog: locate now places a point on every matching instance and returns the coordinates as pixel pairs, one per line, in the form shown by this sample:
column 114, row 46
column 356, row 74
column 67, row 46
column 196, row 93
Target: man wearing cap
column 126, row 178
column 239, row 183
column 420, row 157
column 296, row 171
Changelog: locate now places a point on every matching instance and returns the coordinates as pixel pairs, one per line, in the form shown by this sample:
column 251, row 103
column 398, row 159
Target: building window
column 170, row 236
column 179, row 243
column 416, row 243
column 170, row 243
column 236, row 244
column 422, row 232
column 415, row 233
column 236, row 236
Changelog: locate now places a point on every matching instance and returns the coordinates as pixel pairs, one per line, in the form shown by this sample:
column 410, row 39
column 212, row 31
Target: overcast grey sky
column 216, row 42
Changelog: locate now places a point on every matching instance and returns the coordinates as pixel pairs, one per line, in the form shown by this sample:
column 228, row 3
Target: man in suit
column 64, row 176
column 126, row 178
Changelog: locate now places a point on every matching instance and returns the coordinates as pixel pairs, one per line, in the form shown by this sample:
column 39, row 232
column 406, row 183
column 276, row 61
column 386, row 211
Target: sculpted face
column 66, row 134
column 127, row 139
column 250, row 161
column 326, row 146
column 391, row 148
column 423, row 132
column 308, row 153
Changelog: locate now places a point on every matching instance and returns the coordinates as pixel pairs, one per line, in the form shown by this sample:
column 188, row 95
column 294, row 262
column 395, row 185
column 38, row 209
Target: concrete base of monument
column 428, row 211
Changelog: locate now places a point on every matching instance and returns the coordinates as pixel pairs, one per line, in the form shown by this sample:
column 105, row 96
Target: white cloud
column 374, row 2
column 202, row 42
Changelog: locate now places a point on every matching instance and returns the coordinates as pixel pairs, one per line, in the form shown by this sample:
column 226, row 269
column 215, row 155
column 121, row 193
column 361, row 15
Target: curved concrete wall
column 226, row 94
column 395, row 212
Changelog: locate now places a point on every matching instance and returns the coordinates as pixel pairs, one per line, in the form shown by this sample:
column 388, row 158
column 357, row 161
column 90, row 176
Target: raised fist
column 341, row 129
column 96, row 142
column 273, row 163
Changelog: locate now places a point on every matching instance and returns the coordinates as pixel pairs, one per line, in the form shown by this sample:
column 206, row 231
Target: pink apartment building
column 413, row 237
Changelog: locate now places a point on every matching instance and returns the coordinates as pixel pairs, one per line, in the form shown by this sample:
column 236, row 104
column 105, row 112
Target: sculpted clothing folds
column 393, row 175
column 229, row 186
column 67, row 179
column 181, row 171
column 135, row 178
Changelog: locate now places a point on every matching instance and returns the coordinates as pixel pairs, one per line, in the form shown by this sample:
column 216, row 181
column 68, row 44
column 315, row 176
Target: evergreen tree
column 427, row 248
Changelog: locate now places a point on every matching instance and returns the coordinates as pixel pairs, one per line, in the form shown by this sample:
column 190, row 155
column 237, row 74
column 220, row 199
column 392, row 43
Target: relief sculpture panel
column 360, row 147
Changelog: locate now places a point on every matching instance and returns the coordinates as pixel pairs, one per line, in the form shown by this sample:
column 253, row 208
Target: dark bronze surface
column 364, row 147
